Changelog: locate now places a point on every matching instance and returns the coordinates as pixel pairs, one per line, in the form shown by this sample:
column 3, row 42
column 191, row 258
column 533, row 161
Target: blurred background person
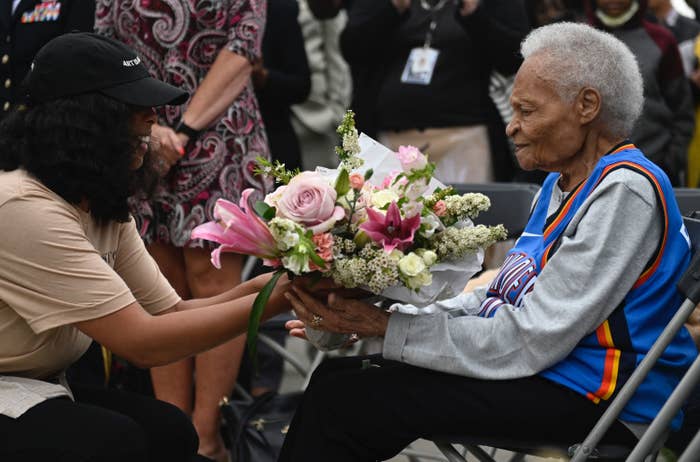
column 666, row 125
column 683, row 28
column 282, row 78
column 543, row 12
column 316, row 119
column 686, row 31
column 421, row 71
column 206, row 151
column 25, row 26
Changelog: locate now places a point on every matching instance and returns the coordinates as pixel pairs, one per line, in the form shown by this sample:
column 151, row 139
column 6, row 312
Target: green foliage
column 342, row 183
column 276, row 170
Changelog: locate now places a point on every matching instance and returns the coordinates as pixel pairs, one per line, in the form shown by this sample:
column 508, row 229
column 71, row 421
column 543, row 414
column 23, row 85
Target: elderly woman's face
column 544, row 128
column 614, row 8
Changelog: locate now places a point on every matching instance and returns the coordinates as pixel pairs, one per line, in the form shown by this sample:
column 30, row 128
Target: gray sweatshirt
column 602, row 253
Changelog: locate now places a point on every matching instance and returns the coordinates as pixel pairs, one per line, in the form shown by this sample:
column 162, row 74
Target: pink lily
column 390, row 230
column 238, row 229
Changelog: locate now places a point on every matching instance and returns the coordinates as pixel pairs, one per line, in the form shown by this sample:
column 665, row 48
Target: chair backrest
column 688, row 200
column 693, row 227
column 510, row 203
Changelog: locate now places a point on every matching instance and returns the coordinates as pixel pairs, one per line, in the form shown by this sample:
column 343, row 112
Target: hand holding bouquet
column 380, row 222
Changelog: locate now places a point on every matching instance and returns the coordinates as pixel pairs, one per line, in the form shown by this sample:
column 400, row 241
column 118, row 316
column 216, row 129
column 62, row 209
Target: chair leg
column 479, row 453
column 449, row 451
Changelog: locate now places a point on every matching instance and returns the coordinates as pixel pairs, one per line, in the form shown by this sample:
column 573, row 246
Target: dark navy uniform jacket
column 25, row 31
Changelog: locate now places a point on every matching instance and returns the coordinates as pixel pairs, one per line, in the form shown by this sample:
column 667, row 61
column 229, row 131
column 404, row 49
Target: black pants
column 354, row 414
column 100, row 426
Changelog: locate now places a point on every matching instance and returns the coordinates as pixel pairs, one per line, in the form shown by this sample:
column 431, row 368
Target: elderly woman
column 580, row 298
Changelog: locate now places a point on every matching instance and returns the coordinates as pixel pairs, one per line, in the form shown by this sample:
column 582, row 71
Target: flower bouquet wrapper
column 449, row 278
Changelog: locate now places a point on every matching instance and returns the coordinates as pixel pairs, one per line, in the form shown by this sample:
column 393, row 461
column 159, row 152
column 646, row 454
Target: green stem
column 256, row 314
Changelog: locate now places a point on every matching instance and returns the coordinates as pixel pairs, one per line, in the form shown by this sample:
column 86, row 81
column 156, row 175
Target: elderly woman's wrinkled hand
column 337, row 314
column 321, row 288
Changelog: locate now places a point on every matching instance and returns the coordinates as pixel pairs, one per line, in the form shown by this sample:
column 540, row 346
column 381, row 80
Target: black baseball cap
column 84, row 62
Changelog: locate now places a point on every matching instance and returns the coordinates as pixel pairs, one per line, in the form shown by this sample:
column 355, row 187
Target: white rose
column 411, row 265
column 429, row 257
column 384, row 197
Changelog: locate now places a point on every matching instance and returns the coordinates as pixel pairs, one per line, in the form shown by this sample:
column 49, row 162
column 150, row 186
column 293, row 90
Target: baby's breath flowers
column 454, row 243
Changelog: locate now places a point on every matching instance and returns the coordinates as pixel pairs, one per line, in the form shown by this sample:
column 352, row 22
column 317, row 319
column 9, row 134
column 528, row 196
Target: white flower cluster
column 351, row 142
column 342, row 246
column 454, row 243
column 351, row 146
column 372, row 268
column 285, row 233
column 466, row 206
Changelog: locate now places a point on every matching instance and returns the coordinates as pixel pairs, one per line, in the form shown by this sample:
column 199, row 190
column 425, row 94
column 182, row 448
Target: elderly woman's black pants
column 353, row 414
column 101, row 426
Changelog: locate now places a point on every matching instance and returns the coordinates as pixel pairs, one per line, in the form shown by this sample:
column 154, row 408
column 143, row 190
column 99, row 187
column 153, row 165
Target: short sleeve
column 50, row 273
column 141, row 273
column 246, row 28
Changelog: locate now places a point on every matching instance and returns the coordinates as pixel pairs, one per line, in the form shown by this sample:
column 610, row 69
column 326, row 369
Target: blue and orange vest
column 604, row 359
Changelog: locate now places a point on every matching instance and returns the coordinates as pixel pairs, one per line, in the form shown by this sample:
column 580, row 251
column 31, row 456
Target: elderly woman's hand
column 321, row 288
column 338, row 315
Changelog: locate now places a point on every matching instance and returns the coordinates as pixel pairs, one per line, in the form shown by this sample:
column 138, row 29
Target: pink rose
column 440, row 208
column 411, row 158
column 310, row 201
column 356, row 181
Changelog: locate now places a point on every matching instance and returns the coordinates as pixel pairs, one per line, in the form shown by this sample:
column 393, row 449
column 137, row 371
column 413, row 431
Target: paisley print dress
column 179, row 40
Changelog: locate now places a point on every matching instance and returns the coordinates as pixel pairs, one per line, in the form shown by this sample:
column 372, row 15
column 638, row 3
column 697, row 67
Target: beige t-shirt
column 59, row 267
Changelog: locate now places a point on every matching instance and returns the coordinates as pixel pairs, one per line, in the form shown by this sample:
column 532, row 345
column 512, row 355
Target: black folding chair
column 590, row 449
column 688, row 200
column 510, row 204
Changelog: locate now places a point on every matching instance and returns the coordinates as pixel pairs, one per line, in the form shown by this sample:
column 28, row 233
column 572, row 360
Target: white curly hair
column 578, row 56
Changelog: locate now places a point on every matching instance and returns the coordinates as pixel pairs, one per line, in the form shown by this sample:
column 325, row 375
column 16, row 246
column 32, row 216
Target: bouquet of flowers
column 380, row 222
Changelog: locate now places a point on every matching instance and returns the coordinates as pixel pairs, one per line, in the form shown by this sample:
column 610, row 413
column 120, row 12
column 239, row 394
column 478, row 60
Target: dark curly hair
column 81, row 148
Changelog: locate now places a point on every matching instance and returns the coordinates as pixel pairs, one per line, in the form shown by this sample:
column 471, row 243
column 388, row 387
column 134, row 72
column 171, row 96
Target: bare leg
column 173, row 383
column 217, row 369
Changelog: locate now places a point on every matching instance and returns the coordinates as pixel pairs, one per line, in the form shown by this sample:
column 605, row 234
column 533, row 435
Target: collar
column 610, row 22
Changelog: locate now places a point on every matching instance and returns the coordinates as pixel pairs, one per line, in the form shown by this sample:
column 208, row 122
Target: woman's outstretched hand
column 336, row 314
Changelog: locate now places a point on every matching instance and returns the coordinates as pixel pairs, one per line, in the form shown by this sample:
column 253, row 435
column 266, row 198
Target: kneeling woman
column 578, row 302
column 73, row 267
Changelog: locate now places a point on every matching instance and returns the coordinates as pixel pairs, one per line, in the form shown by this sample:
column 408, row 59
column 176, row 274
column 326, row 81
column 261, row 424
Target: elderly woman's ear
column 588, row 105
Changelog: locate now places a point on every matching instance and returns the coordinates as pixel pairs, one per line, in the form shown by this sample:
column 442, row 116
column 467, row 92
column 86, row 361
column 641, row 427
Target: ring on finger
column 316, row 320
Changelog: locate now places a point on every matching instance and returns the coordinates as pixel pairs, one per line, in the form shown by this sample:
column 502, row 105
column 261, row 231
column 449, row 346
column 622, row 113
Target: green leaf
column 368, row 174
column 264, row 211
column 342, row 183
column 318, row 261
column 256, row 315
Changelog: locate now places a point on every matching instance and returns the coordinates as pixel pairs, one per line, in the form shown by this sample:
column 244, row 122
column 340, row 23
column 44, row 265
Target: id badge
column 420, row 66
